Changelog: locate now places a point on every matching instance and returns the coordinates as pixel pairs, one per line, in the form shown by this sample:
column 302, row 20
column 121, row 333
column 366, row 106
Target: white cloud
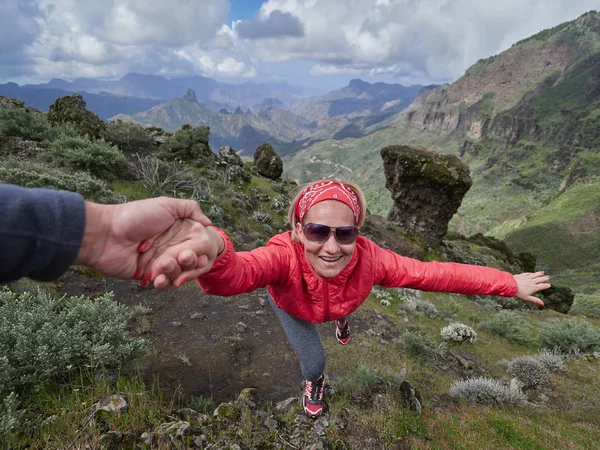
column 422, row 40
column 320, row 69
column 438, row 39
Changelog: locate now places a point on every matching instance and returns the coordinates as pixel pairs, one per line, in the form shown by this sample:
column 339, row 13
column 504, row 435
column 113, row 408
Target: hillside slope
column 526, row 122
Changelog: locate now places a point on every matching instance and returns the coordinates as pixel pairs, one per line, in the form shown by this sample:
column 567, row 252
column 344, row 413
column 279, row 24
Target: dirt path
column 200, row 344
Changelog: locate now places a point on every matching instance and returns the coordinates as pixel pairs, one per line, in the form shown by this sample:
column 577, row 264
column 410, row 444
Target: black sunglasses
column 315, row 232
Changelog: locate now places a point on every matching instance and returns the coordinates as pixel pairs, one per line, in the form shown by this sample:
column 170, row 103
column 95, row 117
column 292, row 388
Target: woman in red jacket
column 323, row 270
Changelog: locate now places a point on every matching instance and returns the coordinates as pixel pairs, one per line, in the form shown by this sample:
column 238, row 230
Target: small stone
column 271, row 424
column 286, row 406
column 516, row 385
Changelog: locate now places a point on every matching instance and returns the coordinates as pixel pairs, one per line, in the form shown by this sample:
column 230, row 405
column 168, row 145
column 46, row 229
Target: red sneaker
column 312, row 400
column 342, row 334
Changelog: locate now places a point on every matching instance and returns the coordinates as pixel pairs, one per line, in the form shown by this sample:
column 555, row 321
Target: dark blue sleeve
column 40, row 232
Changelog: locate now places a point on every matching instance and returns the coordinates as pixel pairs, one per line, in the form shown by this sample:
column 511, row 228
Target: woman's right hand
column 185, row 251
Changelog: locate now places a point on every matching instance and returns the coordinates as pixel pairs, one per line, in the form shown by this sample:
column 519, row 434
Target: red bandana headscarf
column 327, row 190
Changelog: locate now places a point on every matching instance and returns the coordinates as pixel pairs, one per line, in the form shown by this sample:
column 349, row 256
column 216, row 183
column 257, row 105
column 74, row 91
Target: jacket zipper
column 326, row 299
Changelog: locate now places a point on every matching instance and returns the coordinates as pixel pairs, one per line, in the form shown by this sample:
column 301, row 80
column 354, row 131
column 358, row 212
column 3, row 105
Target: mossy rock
column 427, row 189
column 72, row 109
column 268, row 163
column 227, row 411
column 559, row 299
column 422, row 163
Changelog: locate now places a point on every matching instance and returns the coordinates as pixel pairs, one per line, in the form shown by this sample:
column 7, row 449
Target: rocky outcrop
column 73, row 109
column 190, row 96
column 427, row 189
column 228, row 155
column 559, row 299
column 268, row 163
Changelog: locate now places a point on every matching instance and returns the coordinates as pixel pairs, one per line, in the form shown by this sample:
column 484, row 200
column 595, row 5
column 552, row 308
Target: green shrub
column 96, row 157
column 203, row 405
column 420, row 345
column 26, row 123
column 570, row 336
column 32, row 175
column 508, row 325
column 11, row 417
column 128, row 137
column 586, row 305
column 42, row 337
column 361, row 378
column 190, row 145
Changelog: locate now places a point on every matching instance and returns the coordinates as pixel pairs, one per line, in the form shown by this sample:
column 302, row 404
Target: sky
column 314, row 43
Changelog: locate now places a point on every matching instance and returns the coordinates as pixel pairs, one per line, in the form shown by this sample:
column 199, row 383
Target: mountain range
column 527, row 122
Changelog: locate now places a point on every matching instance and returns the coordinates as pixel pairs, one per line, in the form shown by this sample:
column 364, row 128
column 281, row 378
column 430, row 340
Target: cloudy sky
column 321, row 43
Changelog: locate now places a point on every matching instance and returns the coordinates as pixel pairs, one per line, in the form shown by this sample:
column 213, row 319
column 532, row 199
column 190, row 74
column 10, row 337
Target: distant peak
column 190, row 95
column 357, row 84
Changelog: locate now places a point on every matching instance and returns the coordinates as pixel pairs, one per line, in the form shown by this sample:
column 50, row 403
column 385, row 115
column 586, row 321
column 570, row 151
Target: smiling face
column 329, row 258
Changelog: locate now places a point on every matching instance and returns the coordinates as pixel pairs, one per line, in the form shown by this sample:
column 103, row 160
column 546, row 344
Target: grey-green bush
column 190, row 145
column 34, row 175
column 26, row 123
column 128, row 137
column 486, row 391
column 570, row 336
column 96, row 157
column 510, row 326
column 421, row 345
column 551, row 360
column 42, row 336
column 529, row 370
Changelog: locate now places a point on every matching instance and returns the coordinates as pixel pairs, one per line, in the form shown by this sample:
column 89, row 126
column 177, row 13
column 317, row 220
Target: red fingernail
column 143, row 283
column 142, row 247
column 136, row 274
column 149, row 276
column 182, row 282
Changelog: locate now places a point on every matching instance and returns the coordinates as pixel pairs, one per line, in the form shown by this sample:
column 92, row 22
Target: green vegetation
column 96, row 157
column 570, row 336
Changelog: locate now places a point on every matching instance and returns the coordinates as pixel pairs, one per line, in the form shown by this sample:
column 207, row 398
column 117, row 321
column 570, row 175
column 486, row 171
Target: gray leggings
column 305, row 341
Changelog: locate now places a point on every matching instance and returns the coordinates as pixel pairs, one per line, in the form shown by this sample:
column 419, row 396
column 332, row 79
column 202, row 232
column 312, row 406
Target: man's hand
column 115, row 234
column 530, row 283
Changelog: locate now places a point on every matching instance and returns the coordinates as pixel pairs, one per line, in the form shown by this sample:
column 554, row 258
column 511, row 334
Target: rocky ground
column 207, row 345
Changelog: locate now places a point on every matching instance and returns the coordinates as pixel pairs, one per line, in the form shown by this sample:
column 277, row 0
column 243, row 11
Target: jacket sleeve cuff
column 225, row 257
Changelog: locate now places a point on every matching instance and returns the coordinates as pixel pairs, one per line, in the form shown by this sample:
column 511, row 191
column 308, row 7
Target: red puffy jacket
column 282, row 268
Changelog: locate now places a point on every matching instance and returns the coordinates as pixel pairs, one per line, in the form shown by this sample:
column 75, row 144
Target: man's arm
column 40, row 232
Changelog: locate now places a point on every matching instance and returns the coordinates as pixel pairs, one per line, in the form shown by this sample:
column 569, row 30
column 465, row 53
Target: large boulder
column 559, row 299
column 268, row 163
column 228, row 156
column 427, row 189
column 72, row 109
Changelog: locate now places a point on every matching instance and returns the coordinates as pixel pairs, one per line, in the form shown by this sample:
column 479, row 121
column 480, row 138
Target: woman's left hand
column 530, row 283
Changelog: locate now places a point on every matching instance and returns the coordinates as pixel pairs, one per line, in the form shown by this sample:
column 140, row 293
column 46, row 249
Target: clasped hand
column 185, row 251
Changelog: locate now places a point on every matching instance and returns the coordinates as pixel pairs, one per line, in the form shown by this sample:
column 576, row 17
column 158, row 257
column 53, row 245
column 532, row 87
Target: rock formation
column 268, row 163
column 427, row 189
